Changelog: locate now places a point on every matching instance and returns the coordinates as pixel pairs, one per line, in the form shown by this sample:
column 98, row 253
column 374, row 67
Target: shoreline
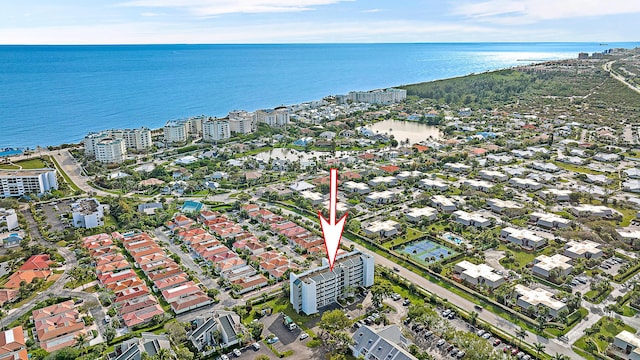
column 156, row 129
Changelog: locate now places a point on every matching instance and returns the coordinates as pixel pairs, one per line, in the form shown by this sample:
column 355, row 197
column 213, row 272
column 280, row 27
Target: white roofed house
column 457, row 167
column 315, row 197
column 629, row 344
column 633, row 173
column 499, row 159
column 526, row 184
column 549, row 221
column 493, row 175
column 547, row 167
column 481, row 274
column 587, row 210
column 406, row 175
column 543, row 265
column 383, row 180
column 470, row 219
column 444, row 203
column 384, row 229
column 356, row 187
column 478, row 185
column 381, row 197
column 604, row 157
column 629, row 236
column 528, row 298
column 301, row 186
column 631, row 185
column 433, row 184
column 522, row 237
column 498, row 206
column 417, row 214
column 586, row 249
column 597, row 179
column 556, row 194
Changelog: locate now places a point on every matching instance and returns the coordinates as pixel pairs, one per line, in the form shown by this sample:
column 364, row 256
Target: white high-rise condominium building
column 216, row 130
column 273, row 117
column 138, row 139
column 87, row 213
column 175, row 132
column 386, row 96
column 14, row 183
column 8, row 219
column 110, row 151
column 195, row 125
column 320, row 287
column 241, row 122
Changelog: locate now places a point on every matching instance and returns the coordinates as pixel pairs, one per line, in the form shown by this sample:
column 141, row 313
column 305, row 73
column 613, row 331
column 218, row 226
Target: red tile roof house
column 120, row 286
column 58, row 325
column 151, row 258
column 183, row 290
column 141, row 316
column 13, row 345
column 158, row 265
column 390, row 168
column 169, row 271
column 251, row 283
column 229, row 264
column 137, row 253
column 110, row 278
column 8, row 296
column 138, row 303
column 249, row 208
column 27, row 276
column 190, row 302
column 191, row 232
column 171, row 282
column 102, row 252
column 109, row 258
column 113, row 267
column 132, row 293
column 37, row 262
column 208, row 215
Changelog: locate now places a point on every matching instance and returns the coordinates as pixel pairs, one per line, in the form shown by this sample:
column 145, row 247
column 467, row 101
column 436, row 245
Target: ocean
column 51, row 95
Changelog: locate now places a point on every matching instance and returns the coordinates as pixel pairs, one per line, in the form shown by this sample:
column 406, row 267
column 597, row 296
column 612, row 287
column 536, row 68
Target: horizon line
column 602, row 43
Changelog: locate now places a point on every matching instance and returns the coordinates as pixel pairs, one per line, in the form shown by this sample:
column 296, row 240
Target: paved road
column 55, row 289
column 607, row 67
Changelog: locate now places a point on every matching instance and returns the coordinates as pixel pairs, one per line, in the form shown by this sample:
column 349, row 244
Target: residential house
column 586, row 249
column 522, row 237
column 543, row 265
column 417, row 214
column 470, row 219
column 532, row 298
column 481, row 274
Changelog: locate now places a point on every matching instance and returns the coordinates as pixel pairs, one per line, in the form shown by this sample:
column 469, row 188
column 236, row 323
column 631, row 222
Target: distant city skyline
column 315, row 21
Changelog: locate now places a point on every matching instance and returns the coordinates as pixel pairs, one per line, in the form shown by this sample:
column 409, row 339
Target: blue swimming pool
column 10, row 152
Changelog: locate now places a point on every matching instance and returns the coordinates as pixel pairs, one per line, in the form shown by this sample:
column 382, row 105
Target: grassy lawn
column 280, row 304
column 522, row 257
column 608, row 328
column 575, row 168
column 591, row 295
column 411, row 235
column 36, row 163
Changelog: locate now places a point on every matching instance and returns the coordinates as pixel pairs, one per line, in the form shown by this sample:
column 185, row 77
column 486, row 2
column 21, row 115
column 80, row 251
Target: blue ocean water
column 56, row 94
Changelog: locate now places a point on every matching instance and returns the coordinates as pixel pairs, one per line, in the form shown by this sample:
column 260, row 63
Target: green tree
column 183, row 353
column 255, row 329
column 539, row 348
column 381, row 290
column 334, row 320
column 109, row 334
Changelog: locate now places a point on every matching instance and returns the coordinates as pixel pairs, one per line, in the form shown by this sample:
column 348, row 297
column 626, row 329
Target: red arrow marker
column 332, row 230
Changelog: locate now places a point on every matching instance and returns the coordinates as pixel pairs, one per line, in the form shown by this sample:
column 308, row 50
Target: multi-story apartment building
column 216, row 130
column 137, row 139
column 386, row 96
column 320, row 287
column 110, row 151
column 8, row 219
column 15, row 183
column 272, row 117
column 241, row 122
column 12, row 344
column 87, row 213
column 175, row 132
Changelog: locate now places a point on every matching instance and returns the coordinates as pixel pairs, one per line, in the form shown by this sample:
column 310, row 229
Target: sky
column 315, row 21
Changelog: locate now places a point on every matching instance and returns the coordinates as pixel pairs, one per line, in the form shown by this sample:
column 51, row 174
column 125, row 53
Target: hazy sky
column 286, row 21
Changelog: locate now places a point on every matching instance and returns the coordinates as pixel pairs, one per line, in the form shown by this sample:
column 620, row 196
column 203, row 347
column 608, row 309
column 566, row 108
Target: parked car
column 396, row 269
column 497, row 342
column 446, row 312
column 272, row 340
column 396, row 297
column 304, row 336
column 480, row 332
column 520, row 355
column 237, row 352
column 486, row 335
column 406, row 302
column 460, row 354
column 514, row 351
column 255, row 346
column 428, row 334
column 526, row 357
column 506, row 349
column 452, row 315
column 440, row 342
column 224, row 357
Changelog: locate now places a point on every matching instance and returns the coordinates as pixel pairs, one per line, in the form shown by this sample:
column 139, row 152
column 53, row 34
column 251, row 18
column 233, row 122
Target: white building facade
column 216, row 130
column 14, row 183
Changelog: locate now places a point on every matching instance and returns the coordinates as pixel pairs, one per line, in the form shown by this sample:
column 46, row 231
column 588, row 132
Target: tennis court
column 426, row 251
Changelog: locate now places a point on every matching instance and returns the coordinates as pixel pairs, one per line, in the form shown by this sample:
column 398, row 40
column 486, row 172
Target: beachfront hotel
column 14, row 183
column 320, row 287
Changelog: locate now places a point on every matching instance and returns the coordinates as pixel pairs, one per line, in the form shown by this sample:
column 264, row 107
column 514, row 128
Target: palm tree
column 521, row 334
column 81, row 340
column 473, row 317
column 539, row 348
column 164, row 354
column 560, row 357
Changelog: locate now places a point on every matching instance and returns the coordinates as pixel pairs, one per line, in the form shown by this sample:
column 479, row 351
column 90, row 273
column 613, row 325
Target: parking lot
column 53, row 210
column 287, row 339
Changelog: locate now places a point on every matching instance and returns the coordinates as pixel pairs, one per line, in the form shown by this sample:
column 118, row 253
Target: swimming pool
column 10, row 152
